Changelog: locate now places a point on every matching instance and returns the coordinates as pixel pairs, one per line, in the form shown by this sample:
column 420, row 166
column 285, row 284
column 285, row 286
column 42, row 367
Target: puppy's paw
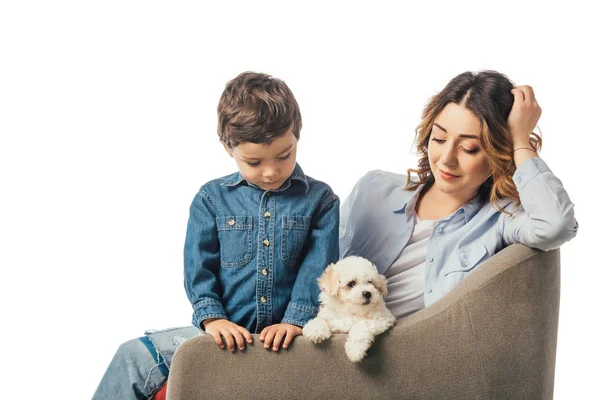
column 316, row 330
column 355, row 353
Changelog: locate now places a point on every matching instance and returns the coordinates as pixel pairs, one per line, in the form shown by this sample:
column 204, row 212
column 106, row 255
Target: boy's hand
column 275, row 333
column 233, row 334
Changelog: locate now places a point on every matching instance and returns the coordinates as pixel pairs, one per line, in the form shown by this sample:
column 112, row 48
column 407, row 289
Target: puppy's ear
column 381, row 284
column 329, row 281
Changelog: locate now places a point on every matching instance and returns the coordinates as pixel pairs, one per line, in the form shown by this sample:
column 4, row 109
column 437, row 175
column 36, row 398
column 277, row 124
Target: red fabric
column 161, row 394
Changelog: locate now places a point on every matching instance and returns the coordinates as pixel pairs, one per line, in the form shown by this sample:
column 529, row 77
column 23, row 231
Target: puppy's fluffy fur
column 351, row 299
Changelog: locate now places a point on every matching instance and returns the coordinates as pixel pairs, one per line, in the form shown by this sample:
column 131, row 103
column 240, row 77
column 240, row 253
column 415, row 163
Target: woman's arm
column 546, row 219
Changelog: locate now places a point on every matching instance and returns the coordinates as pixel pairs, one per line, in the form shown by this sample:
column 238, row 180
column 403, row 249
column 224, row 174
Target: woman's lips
column 447, row 176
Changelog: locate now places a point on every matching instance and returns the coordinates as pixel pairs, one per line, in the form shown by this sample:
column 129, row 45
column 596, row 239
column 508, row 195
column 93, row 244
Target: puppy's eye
column 351, row 284
column 370, row 282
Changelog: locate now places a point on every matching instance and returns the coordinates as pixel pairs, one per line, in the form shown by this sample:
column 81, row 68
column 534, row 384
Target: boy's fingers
column 278, row 338
column 218, row 340
column 237, row 336
column 263, row 333
column 246, row 334
column 228, row 339
column 269, row 338
column 288, row 339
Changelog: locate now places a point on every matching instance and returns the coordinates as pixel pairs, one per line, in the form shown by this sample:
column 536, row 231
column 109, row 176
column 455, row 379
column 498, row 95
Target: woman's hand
column 233, row 334
column 276, row 333
column 523, row 116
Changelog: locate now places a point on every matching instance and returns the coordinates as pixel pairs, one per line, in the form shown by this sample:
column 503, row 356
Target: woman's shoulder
column 378, row 178
column 379, row 187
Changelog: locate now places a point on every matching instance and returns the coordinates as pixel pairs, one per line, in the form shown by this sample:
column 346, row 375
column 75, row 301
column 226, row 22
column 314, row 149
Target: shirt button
column 430, row 259
column 265, row 272
column 266, row 242
column 231, row 222
column 268, row 194
column 463, row 264
column 430, row 290
column 267, row 215
column 263, row 299
column 440, row 230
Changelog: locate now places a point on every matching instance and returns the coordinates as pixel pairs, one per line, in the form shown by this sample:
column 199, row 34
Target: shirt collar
column 472, row 208
column 297, row 175
column 408, row 205
column 468, row 210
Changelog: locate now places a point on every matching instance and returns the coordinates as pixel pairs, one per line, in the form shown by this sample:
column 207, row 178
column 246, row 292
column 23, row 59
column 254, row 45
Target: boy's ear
column 227, row 149
column 330, row 281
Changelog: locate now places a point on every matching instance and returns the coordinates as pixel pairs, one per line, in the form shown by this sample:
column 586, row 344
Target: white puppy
column 351, row 299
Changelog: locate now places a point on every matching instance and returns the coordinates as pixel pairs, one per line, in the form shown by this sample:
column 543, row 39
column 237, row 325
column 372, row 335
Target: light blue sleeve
column 546, row 218
column 347, row 211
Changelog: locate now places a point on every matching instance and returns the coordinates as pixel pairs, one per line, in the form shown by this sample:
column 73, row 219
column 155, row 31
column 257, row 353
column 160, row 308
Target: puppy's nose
column 366, row 295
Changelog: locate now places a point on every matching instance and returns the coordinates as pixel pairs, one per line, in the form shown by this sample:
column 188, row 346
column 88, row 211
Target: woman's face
column 457, row 161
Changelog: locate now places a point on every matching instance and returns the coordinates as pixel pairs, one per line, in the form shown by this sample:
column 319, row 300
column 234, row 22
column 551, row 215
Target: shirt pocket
column 467, row 259
column 235, row 238
column 294, row 233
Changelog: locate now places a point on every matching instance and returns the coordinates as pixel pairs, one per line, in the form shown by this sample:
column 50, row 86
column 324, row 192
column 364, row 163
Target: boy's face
column 266, row 165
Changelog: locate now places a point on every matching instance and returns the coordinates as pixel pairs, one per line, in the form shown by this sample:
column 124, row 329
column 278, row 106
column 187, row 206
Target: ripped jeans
column 140, row 366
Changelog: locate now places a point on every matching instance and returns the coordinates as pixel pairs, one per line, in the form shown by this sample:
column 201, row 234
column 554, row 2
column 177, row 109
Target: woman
column 479, row 187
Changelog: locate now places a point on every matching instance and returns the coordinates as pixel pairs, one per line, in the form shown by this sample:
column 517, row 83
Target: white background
column 108, row 129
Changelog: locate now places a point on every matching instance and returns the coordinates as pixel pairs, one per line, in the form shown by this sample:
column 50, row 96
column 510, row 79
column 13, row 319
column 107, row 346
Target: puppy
column 351, row 300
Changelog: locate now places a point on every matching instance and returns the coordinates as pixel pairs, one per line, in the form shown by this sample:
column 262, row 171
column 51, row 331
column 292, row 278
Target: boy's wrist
column 207, row 309
column 207, row 321
column 288, row 323
column 299, row 314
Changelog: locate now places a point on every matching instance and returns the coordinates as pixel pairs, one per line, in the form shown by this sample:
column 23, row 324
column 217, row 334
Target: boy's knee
column 134, row 369
column 132, row 350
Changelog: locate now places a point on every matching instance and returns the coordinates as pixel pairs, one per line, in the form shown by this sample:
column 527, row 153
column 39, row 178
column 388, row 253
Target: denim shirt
column 253, row 256
column 379, row 216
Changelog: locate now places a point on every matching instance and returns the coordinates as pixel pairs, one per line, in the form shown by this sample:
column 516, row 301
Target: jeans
column 140, row 366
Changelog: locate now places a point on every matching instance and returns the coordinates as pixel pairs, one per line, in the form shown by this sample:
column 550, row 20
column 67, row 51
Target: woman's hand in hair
column 523, row 116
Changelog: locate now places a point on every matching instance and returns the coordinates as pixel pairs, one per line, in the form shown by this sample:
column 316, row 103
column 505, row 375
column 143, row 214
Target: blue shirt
column 253, row 256
column 378, row 218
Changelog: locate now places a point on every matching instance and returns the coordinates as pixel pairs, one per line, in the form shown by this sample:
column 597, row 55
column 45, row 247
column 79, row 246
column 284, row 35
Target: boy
column 256, row 241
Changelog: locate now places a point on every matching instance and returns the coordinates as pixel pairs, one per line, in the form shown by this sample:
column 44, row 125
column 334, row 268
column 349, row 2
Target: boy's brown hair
column 256, row 108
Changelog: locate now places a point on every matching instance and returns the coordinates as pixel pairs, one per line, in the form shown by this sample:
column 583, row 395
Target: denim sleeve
column 322, row 250
column 202, row 261
column 546, row 219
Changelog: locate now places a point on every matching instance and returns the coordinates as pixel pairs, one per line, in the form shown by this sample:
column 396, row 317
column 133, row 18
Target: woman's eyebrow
column 462, row 135
column 439, row 126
